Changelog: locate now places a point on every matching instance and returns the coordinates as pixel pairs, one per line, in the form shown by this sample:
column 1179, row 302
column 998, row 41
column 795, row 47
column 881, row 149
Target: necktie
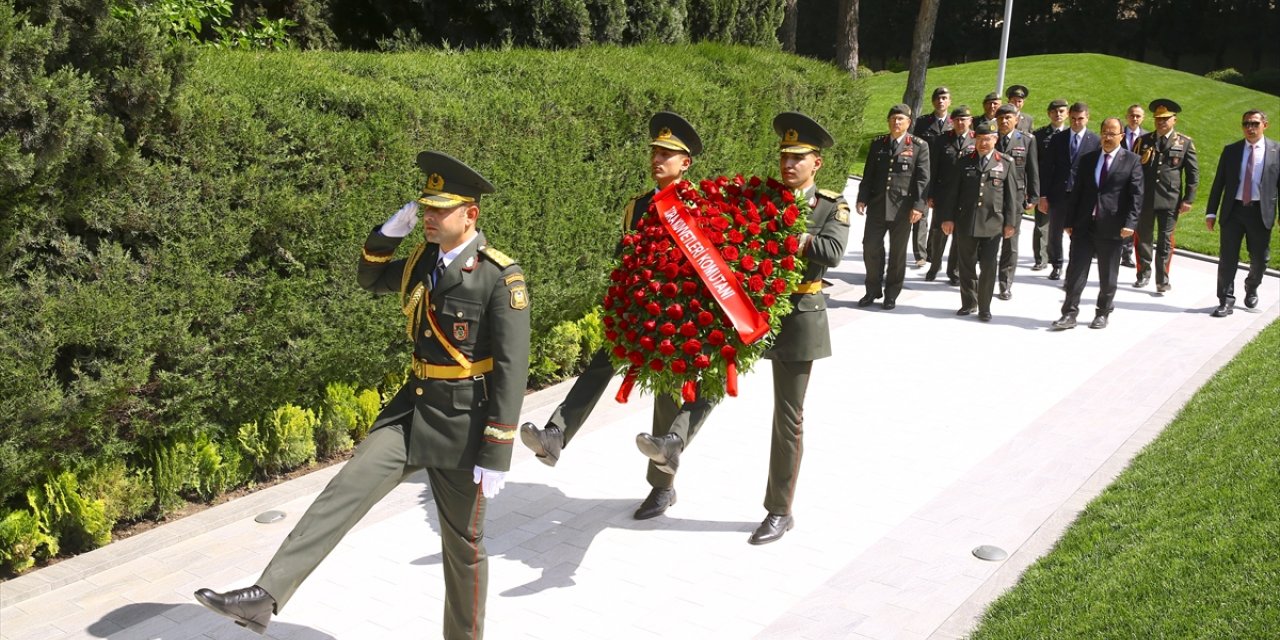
column 1102, row 177
column 435, row 274
column 1128, row 140
column 982, row 166
column 1248, row 179
column 1075, row 145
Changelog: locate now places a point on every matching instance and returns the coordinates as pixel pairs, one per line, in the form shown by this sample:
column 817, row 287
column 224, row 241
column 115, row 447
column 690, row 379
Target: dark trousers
column 1154, row 235
column 920, row 237
column 885, row 278
column 1057, row 219
column 976, row 254
column 790, row 381
column 1085, row 246
column 1040, row 238
column 379, row 464
column 937, row 243
column 671, row 415
column 1242, row 224
column 1009, row 256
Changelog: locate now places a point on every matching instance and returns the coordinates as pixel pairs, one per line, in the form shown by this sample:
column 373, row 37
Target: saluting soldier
column 930, row 128
column 1170, row 175
column 1057, row 112
column 945, row 153
column 1017, row 96
column 892, row 196
column 805, row 335
column 989, row 106
column 983, row 210
column 673, row 143
column 1020, row 149
column 467, row 311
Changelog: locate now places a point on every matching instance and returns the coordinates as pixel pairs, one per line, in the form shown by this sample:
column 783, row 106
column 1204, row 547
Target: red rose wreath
column 702, row 285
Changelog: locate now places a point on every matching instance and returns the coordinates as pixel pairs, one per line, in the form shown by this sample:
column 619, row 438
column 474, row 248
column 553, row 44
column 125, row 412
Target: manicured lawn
column 1210, row 110
column 1186, row 542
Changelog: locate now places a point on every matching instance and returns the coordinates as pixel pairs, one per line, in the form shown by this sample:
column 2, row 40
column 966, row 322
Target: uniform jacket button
column 418, row 391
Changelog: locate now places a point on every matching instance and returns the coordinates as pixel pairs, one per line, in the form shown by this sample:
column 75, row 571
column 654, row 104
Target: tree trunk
column 787, row 32
column 921, row 44
column 847, row 37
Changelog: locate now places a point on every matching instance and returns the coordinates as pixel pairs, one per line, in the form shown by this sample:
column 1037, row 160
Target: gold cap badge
column 435, row 182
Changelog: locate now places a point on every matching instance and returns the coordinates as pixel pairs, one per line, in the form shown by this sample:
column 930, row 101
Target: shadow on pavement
column 558, row 551
column 187, row 621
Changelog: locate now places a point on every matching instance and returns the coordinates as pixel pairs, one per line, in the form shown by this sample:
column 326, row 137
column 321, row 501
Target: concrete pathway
column 927, row 436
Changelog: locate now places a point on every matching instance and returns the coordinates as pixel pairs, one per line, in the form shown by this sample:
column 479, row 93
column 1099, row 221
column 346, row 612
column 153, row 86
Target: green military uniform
column 1171, row 175
column 1025, row 123
column 1020, row 149
column 805, row 335
column 982, row 200
column 470, row 333
column 895, row 184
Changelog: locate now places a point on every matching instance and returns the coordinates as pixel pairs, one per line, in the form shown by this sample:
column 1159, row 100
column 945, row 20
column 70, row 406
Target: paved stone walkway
column 927, row 435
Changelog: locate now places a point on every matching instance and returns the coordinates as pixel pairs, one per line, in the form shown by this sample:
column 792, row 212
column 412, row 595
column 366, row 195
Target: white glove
column 490, row 481
column 402, row 222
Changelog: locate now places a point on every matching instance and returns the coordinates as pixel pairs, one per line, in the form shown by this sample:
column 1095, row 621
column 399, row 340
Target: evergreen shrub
column 22, row 541
column 339, row 418
column 78, row 523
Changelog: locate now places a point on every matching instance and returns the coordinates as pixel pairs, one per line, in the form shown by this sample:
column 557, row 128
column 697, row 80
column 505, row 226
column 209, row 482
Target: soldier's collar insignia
column 469, row 264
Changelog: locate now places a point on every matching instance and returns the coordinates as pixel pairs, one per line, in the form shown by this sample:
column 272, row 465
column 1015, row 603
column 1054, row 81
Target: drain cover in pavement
column 989, row 552
column 267, row 517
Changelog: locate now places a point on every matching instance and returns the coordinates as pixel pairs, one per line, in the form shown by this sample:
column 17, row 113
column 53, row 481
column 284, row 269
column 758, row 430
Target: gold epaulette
column 499, row 258
column 830, row 195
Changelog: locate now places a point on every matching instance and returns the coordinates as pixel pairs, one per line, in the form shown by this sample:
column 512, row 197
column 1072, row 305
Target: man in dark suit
column 1055, row 180
column 1017, row 96
column 673, row 144
column 468, row 321
column 1133, row 130
column 1171, row 174
column 892, row 197
column 1057, row 112
column 944, row 153
column 1020, row 149
column 982, row 208
column 1243, row 201
column 805, row 335
column 1102, row 212
column 930, row 128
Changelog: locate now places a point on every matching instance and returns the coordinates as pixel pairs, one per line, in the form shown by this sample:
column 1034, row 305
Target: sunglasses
column 1251, row 123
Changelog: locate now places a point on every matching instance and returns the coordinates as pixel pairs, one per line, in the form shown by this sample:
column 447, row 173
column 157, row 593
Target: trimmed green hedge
column 211, row 282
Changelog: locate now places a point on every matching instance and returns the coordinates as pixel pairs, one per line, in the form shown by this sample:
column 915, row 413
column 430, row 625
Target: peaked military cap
column 899, row 109
column 1164, row 107
column 961, row 111
column 1016, row 91
column 941, row 91
column 1006, row 108
column 1057, row 103
column 670, row 131
column 991, row 97
column 985, row 127
column 449, row 181
column 800, row 133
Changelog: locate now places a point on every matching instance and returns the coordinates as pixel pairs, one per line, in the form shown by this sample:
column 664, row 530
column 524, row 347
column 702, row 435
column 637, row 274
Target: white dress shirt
column 1259, row 152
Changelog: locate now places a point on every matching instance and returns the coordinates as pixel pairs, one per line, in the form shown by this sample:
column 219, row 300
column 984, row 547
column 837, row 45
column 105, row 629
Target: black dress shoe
column 772, row 528
column 964, row 311
column 1005, row 294
column 953, row 280
column 1222, row 311
column 1161, row 288
column 1063, row 323
column 889, row 305
column 1127, row 262
column 1039, row 266
column 1142, row 282
column 1250, row 299
column 1099, row 322
column 250, row 607
column 664, row 451
column 545, row 443
column 1056, row 273
column 865, row 301
column 984, row 316
column 930, row 276
column 656, row 504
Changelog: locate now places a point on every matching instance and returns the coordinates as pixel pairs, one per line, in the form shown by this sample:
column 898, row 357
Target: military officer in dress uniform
column 1170, row 175
column 467, row 311
column 930, row 128
column 944, row 153
column 1057, row 112
column 892, row 195
column 805, row 335
column 1020, row 149
column 673, row 143
column 983, row 208
column 1017, row 95
column 989, row 106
